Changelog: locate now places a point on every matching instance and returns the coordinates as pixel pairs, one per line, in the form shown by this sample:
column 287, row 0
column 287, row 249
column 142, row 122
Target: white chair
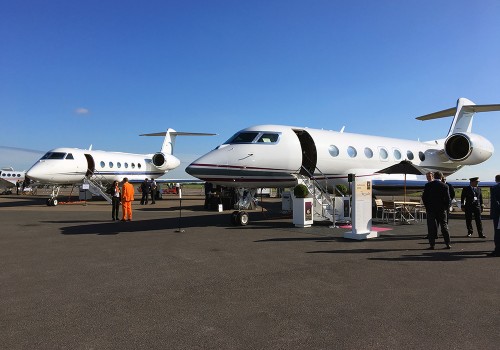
column 379, row 208
column 420, row 212
column 389, row 210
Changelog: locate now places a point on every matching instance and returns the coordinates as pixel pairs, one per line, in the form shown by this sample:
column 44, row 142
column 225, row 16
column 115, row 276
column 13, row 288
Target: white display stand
column 361, row 211
column 302, row 212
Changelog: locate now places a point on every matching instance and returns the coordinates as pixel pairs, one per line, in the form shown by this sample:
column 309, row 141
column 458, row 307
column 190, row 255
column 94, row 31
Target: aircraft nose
column 191, row 170
column 35, row 173
column 197, row 168
column 207, row 165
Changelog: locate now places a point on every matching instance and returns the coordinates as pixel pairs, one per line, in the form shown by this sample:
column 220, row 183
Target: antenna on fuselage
column 342, row 130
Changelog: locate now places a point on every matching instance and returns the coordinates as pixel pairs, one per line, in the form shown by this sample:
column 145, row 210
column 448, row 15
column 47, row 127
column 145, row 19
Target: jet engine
column 467, row 148
column 165, row 161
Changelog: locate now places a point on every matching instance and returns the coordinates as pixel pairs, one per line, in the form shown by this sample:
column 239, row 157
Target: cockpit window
column 268, row 137
column 69, row 156
column 254, row 137
column 242, row 137
column 54, row 155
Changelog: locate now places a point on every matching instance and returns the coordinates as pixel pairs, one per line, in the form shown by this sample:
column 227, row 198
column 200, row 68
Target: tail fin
column 462, row 122
column 463, row 112
column 168, row 142
column 170, row 135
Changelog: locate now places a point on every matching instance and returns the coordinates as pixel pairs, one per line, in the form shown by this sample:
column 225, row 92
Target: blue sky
column 75, row 73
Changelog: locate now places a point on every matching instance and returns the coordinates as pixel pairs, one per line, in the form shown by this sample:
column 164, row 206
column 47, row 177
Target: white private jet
column 281, row 156
column 9, row 177
column 70, row 166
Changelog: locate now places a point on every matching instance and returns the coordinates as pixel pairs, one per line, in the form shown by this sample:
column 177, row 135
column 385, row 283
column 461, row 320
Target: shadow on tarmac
column 116, row 227
column 437, row 255
column 21, row 201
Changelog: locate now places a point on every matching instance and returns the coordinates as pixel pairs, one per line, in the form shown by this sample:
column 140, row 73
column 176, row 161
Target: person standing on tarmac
column 115, row 200
column 127, row 198
column 495, row 215
column 436, row 199
column 451, row 190
column 472, row 204
column 153, row 187
column 145, row 189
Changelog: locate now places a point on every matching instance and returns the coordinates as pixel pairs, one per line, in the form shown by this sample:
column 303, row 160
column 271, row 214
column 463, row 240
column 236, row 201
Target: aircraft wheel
column 54, row 202
column 234, row 218
column 243, row 218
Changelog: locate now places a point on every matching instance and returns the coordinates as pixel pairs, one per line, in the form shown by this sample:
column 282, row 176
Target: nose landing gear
column 239, row 218
column 52, row 201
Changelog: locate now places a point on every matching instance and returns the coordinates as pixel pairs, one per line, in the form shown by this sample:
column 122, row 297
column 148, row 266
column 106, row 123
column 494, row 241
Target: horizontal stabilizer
column 170, row 135
column 452, row 111
column 179, row 133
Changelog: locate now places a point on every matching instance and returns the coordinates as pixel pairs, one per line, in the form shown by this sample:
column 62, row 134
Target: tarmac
column 73, row 279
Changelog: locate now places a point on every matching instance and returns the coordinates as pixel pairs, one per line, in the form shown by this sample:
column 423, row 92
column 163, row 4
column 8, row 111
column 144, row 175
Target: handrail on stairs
column 96, row 179
column 323, row 191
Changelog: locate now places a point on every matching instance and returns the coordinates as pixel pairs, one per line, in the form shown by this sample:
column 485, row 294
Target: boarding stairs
column 324, row 208
column 96, row 187
column 322, row 200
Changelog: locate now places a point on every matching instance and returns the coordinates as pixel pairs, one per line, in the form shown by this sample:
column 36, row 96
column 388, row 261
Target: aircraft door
column 90, row 165
column 309, row 153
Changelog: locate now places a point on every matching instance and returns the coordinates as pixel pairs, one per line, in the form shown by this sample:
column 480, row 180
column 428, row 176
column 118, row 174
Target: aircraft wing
column 7, row 183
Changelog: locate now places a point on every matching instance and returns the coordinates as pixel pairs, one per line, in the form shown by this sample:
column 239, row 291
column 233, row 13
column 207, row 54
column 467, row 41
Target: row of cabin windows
column 62, row 155
column 383, row 153
column 9, row 175
column 119, row 165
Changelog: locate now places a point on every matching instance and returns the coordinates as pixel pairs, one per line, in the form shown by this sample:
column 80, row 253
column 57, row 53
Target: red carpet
column 374, row 228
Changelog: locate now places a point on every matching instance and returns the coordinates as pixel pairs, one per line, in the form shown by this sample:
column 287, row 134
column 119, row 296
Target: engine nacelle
column 467, row 148
column 165, row 161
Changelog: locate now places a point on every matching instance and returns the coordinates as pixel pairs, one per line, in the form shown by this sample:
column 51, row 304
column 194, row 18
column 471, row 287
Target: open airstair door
column 309, row 154
column 90, row 165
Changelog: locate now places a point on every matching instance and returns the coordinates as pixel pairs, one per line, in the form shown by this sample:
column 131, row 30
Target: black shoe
column 448, row 246
column 482, row 236
column 431, row 248
column 469, row 235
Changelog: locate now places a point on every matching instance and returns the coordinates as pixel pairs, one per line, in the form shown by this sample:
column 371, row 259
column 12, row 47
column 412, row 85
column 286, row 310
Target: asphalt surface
column 73, row 279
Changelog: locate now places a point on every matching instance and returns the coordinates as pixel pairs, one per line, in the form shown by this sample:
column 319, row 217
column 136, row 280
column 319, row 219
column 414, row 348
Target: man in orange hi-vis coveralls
column 127, row 198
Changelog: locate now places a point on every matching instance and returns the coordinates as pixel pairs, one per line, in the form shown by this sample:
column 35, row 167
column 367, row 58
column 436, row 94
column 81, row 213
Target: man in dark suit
column 436, row 198
column 451, row 189
column 472, row 204
column 495, row 214
column 145, row 189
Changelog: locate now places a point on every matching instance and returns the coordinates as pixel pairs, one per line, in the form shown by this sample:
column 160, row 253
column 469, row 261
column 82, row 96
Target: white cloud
column 82, row 111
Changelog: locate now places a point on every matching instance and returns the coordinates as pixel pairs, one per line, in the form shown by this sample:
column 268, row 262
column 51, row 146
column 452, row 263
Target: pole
column 180, row 211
